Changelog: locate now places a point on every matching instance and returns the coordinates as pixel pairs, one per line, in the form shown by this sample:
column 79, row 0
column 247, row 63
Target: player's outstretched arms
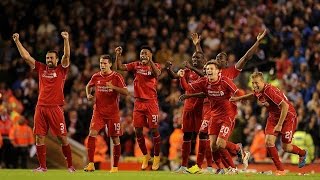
column 239, row 98
column 196, row 38
column 242, row 62
column 23, row 52
column 65, row 61
column 119, row 65
column 187, row 96
column 196, row 70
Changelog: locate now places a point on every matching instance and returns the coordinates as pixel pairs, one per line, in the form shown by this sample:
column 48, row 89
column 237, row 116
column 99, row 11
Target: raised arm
column 172, row 74
column 156, row 72
column 241, row 63
column 65, row 61
column 196, row 70
column 118, row 63
column 23, row 52
column 123, row 91
column 244, row 97
column 196, row 38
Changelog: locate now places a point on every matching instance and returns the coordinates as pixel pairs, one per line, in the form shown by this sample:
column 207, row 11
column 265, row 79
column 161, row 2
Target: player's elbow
column 125, row 92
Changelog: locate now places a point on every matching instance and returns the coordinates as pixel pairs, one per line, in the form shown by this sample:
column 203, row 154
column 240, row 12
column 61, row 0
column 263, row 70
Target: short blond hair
column 257, row 74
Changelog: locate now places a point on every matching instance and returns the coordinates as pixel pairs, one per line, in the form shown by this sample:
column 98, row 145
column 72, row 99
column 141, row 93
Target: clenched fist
column 15, row 37
column 118, row 50
column 65, row 35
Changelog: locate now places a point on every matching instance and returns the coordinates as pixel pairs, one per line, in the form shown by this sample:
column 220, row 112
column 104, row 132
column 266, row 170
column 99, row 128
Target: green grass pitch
column 135, row 175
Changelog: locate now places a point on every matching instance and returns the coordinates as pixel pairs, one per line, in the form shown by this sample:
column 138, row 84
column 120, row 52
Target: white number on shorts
column 155, row 118
column 61, row 127
column 288, row 135
column 117, row 126
column 204, row 124
column 224, row 130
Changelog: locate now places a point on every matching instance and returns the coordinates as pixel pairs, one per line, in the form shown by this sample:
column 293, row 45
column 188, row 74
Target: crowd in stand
column 290, row 54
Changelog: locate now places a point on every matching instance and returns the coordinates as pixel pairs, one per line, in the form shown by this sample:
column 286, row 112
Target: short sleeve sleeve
column 131, row 66
column 120, row 81
column 274, row 95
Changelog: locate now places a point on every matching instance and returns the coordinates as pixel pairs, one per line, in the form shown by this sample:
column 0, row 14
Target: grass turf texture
column 6, row 174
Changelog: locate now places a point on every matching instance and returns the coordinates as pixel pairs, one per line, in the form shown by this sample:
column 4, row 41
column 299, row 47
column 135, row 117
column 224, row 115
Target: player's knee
column 93, row 133
column 115, row 139
column 203, row 135
column 286, row 147
column 221, row 143
column 155, row 132
column 63, row 140
column 139, row 132
column 40, row 140
column 269, row 142
column 187, row 136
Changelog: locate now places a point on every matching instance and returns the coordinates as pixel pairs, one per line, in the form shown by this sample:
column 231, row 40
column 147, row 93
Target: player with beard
column 146, row 109
column 282, row 120
column 49, row 109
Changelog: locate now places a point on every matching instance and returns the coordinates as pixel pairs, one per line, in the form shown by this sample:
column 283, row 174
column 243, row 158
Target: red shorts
column 288, row 128
column 52, row 117
column 146, row 113
column 221, row 127
column 191, row 120
column 99, row 121
column 205, row 121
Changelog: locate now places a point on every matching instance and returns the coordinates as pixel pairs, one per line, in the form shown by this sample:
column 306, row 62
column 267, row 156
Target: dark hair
column 53, row 51
column 146, row 47
column 106, row 56
column 213, row 61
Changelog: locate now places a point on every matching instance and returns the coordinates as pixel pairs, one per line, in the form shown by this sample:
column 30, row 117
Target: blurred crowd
column 289, row 56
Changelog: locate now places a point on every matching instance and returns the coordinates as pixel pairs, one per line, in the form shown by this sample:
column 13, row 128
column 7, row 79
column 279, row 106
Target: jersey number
column 224, row 130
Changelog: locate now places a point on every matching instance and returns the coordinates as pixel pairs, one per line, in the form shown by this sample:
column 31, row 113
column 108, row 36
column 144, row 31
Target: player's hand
column 109, row 85
column 118, row 50
column 15, row 37
column 277, row 128
column 90, row 97
column 195, row 38
column 65, row 34
column 261, row 35
column 187, row 64
column 181, row 73
column 233, row 99
column 168, row 65
column 183, row 97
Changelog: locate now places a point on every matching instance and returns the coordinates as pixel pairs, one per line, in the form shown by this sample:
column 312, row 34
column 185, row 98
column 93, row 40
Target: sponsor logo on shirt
column 104, row 89
column 144, row 72
column 49, row 75
column 215, row 93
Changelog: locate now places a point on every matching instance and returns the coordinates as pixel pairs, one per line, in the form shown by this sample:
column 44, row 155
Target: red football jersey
column 145, row 84
column 51, row 84
column 107, row 100
column 230, row 72
column 271, row 96
column 191, row 103
column 218, row 93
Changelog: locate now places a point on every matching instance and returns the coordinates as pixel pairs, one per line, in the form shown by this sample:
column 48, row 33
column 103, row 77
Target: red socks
column 232, row 148
column 91, row 148
column 297, row 150
column 41, row 154
column 116, row 154
column 226, row 156
column 217, row 158
column 186, row 149
column 156, row 145
column 67, row 154
column 202, row 149
column 273, row 153
column 142, row 145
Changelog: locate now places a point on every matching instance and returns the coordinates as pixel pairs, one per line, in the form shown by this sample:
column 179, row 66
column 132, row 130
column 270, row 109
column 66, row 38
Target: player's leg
column 187, row 128
column 58, row 127
column 40, row 130
column 153, row 116
column 270, row 143
column 204, row 143
column 116, row 153
column 287, row 132
column 115, row 131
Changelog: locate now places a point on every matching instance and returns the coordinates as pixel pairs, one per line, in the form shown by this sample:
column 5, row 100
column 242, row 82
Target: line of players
column 219, row 112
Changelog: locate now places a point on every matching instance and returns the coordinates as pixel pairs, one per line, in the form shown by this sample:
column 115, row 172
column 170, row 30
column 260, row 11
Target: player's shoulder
column 225, row 78
column 116, row 74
